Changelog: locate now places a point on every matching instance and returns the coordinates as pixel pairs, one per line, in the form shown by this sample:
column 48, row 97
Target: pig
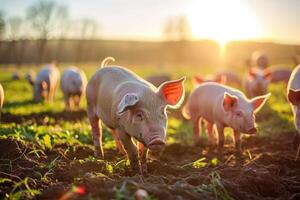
column 257, row 82
column 15, row 76
column 1, row 98
column 157, row 80
column 132, row 108
column 232, row 78
column 279, row 75
column 45, row 84
column 293, row 96
column 225, row 107
column 210, row 78
column 73, row 84
column 259, row 60
column 30, row 77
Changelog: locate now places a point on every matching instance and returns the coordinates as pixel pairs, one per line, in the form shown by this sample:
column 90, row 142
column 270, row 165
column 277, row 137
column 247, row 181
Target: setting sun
column 223, row 21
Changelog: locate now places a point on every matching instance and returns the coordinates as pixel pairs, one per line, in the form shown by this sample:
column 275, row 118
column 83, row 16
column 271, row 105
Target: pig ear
column 197, row 80
column 229, row 102
column 44, row 85
column 221, row 79
column 294, row 96
column 172, row 92
column 258, row 102
column 268, row 74
column 129, row 99
column 252, row 72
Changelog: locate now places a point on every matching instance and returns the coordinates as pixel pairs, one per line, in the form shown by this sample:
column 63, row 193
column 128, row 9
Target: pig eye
column 239, row 114
column 139, row 116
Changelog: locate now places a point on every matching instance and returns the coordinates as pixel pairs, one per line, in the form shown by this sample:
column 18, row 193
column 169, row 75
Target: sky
column 223, row 21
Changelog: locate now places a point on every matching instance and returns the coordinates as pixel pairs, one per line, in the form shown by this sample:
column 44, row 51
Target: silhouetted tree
column 177, row 29
column 63, row 28
column 44, row 16
column 87, row 31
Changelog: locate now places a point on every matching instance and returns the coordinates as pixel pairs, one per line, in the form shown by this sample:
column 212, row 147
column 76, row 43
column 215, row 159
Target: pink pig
column 199, row 79
column 73, row 84
column 280, row 74
column 132, row 108
column 225, row 107
column 257, row 82
column 293, row 94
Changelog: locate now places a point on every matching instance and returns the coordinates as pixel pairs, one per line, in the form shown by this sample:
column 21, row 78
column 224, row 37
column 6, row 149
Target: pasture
column 47, row 153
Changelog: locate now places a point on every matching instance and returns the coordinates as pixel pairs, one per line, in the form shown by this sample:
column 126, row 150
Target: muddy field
column 267, row 170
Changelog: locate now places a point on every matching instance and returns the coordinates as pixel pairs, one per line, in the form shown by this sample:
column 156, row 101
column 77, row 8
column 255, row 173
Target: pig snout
column 156, row 144
column 252, row 131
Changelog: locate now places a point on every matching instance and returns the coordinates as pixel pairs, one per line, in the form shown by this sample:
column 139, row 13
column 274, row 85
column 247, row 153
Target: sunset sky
column 271, row 20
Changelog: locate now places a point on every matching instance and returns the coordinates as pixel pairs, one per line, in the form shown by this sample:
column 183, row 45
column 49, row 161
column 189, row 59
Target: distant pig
column 232, row 78
column 210, row 78
column 132, row 108
column 73, row 84
column 30, row 77
column 259, row 60
column 293, row 94
column 1, row 98
column 257, row 82
column 279, row 75
column 45, row 83
column 157, row 80
column 225, row 107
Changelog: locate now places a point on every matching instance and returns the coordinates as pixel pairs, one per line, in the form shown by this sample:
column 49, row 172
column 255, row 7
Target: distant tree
column 44, row 16
column 177, row 28
column 87, row 31
column 2, row 25
column 63, row 28
column 14, row 34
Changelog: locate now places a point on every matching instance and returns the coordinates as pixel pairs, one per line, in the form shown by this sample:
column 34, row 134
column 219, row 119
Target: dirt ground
column 267, row 170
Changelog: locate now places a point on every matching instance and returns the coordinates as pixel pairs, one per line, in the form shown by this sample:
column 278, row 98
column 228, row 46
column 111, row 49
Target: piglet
column 132, row 108
column 259, row 60
column 157, row 80
column 225, row 107
column 257, row 82
column 293, row 94
column 45, row 83
column 73, row 84
column 1, row 98
column 279, row 75
column 231, row 78
column 198, row 79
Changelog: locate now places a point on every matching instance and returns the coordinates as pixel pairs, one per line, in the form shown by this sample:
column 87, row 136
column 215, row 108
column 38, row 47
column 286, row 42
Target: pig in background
column 280, row 75
column 132, row 108
column 232, row 79
column 45, row 84
column 222, row 106
column 259, row 60
column 157, row 80
column 198, row 79
column 29, row 76
column 15, row 76
column 1, row 99
column 73, row 84
column 293, row 94
column 257, row 81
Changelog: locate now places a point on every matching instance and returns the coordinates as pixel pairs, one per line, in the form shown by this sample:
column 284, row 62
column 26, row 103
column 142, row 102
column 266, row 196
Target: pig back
column 294, row 82
column 108, row 85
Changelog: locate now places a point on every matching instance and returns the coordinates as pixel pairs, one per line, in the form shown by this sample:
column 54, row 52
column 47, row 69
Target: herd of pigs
column 136, row 108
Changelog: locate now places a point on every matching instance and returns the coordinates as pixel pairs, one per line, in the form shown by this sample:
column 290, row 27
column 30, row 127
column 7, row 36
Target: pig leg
column 237, row 141
column 210, row 133
column 142, row 152
column 67, row 101
column 96, row 134
column 130, row 149
column 197, row 129
column 296, row 141
column 220, row 128
column 118, row 142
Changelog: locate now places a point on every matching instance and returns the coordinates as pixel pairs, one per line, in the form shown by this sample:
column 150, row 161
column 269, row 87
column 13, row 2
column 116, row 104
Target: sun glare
column 222, row 21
